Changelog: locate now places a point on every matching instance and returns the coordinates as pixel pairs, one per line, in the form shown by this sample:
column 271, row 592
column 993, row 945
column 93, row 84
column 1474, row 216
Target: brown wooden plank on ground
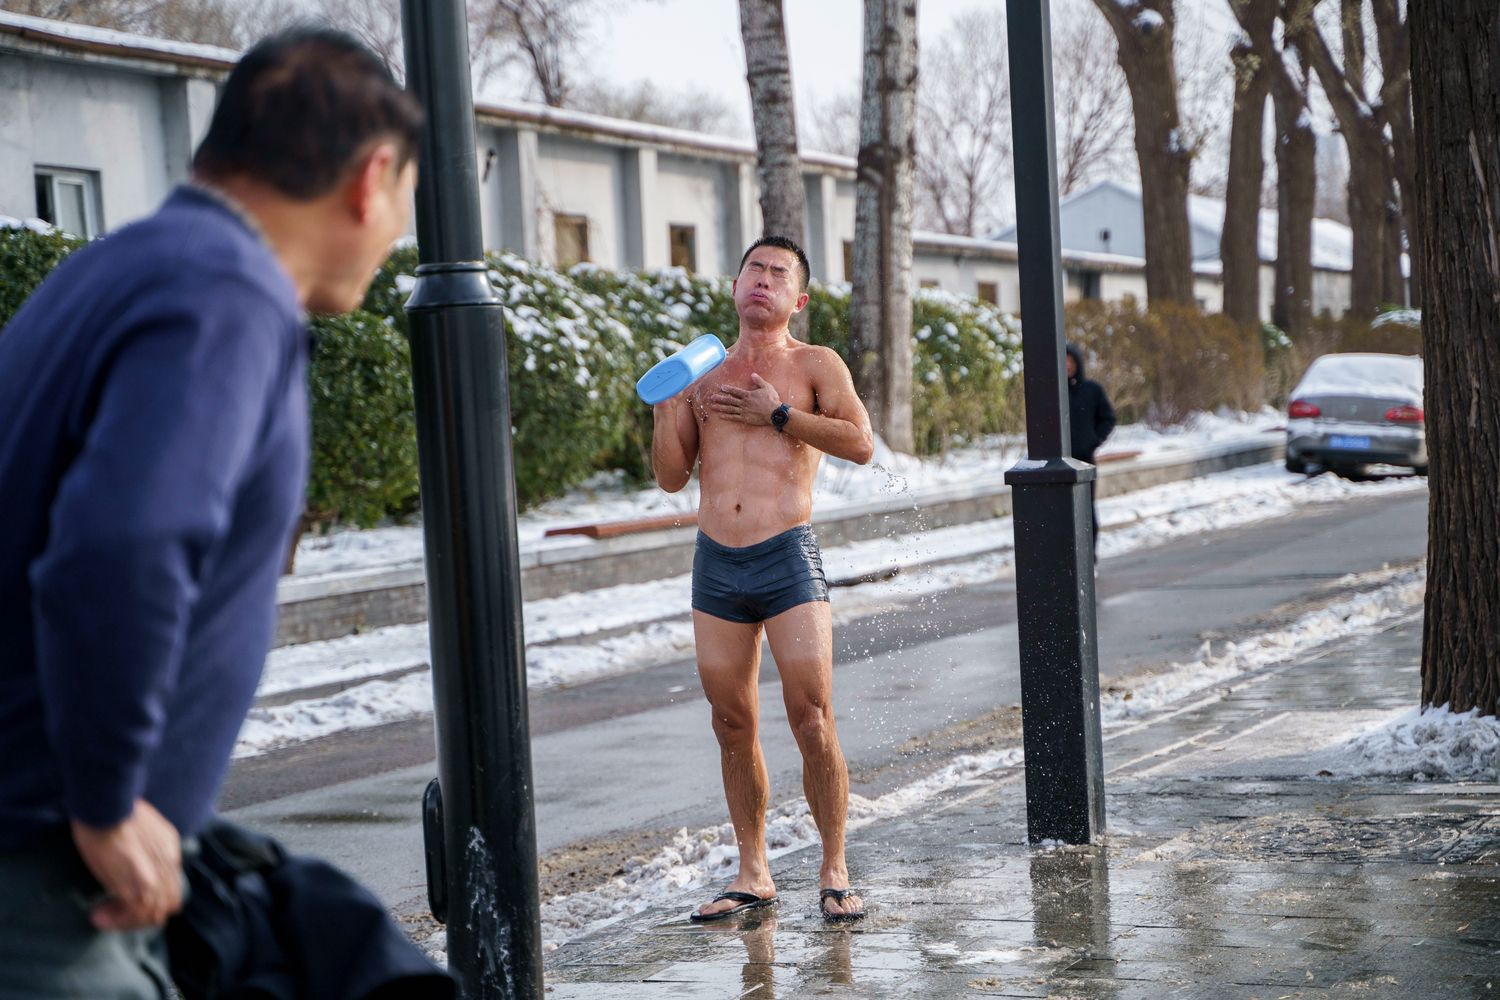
column 613, row 529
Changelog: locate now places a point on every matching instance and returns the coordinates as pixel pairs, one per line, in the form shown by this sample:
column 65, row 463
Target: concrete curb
column 334, row 605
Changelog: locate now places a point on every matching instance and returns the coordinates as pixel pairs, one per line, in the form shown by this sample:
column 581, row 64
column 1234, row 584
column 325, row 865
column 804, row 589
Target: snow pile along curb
column 1431, row 744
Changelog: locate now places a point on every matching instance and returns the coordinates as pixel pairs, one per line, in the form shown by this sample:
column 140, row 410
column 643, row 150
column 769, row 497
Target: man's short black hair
column 301, row 107
column 804, row 271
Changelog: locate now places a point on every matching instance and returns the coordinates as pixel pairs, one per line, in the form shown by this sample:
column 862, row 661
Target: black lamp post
column 479, row 823
column 1052, row 491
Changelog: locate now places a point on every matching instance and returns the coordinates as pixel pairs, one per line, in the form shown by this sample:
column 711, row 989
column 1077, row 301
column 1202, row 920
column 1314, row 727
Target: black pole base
column 1053, row 505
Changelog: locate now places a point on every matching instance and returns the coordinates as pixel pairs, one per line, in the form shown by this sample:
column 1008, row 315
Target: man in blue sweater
column 153, row 451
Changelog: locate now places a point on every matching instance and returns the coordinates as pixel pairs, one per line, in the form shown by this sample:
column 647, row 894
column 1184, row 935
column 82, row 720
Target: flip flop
column 746, row 901
column 838, row 895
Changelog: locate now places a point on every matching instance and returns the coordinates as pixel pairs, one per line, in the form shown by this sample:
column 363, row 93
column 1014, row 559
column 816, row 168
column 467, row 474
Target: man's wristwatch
column 780, row 416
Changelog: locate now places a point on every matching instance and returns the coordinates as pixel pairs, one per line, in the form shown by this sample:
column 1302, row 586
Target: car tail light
column 1404, row 415
column 1301, row 409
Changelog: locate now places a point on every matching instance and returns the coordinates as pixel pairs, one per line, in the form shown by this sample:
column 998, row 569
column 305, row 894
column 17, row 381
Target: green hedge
column 578, row 340
column 26, row 257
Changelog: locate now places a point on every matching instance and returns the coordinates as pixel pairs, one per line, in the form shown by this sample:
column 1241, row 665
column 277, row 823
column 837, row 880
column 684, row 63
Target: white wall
column 91, row 118
column 1209, row 292
column 580, row 178
column 962, row 275
column 1116, row 285
column 693, row 192
column 1330, row 292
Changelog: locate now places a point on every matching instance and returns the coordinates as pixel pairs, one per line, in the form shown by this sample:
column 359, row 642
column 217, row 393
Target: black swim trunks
column 758, row 581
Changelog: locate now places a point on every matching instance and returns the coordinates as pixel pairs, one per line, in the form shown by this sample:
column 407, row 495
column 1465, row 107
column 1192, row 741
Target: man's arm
column 140, row 510
column 841, row 428
column 674, row 441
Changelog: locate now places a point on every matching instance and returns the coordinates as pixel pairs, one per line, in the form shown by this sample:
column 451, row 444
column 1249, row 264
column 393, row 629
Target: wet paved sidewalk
column 1231, row 870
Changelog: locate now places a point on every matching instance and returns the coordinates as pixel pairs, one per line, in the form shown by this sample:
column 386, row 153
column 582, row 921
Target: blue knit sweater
column 153, row 452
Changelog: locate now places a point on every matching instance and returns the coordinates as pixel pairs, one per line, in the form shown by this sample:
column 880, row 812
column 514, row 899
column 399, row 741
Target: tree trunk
column 1144, row 40
column 881, row 303
column 1371, row 194
column 1296, row 194
column 778, row 167
column 1456, row 101
column 1239, row 242
column 1393, row 36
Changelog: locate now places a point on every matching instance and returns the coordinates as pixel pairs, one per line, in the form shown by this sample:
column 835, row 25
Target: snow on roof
column 587, row 121
column 103, row 40
column 1332, row 242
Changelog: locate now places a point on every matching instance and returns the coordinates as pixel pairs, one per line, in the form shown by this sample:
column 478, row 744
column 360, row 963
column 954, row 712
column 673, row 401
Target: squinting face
column 769, row 287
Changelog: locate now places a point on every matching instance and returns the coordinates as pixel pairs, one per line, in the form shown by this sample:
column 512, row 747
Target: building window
column 69, row 199
column 929, row 283
column 572, row 240
column 848, row 260
column 683, row 241
column 988, row 291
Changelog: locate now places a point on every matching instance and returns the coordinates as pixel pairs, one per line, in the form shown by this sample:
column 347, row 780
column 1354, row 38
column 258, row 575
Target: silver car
column 1352, row 410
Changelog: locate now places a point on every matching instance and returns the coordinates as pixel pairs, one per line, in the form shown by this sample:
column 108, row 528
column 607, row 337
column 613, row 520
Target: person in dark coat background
column 1091, row 418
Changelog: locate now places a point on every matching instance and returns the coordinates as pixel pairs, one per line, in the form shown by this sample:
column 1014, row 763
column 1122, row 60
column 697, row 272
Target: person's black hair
column 301, row 107
column 783, row 243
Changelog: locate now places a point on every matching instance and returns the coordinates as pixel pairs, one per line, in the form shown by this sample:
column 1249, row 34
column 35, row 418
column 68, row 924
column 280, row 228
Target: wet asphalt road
column 635, row 752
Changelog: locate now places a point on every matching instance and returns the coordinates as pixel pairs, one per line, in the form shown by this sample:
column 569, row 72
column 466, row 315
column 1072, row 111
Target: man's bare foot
column 840, row 905
column 836, row 900
column 742, row 894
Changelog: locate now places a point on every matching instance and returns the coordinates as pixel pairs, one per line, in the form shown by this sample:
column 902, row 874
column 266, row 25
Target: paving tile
column 1210, row 887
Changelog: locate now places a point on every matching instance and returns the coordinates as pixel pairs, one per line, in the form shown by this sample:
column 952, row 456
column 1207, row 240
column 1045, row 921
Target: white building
column 1106, row 217
column 97, row 126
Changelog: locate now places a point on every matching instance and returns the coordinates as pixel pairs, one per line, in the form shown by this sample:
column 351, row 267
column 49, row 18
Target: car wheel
column 1420, row 470
column 1296, row 466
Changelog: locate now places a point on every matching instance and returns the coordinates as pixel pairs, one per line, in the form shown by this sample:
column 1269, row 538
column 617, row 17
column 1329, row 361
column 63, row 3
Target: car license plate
column 1349, row 442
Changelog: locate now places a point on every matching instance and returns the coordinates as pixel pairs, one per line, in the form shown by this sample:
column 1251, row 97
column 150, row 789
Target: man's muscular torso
column 755, row 483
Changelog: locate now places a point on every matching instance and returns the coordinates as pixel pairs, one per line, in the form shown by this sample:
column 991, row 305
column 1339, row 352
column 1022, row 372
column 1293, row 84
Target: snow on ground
column 557, row 630
column 1422, row 745
column 1384, row 596
column 606, row 497
column 708, row 855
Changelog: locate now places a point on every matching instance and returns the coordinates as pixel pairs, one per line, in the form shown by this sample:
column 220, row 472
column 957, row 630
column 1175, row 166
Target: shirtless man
column 758, row 425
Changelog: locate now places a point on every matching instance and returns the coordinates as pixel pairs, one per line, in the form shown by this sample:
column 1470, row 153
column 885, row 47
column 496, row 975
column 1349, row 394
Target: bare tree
column 225, row 23
column 1373, row 213
column 1205, row 98
column 1254, row 56
column 778, row 166
column 1333, row 180
column 542, row 36
column 1143, row 32
column 963, row 133
column 1296, row 190
column 643, row 101
column 1393, row 40
column 1455, row 62
column 832, row 124
column 1090, row 98
column 377, row 23
column 880, row 306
